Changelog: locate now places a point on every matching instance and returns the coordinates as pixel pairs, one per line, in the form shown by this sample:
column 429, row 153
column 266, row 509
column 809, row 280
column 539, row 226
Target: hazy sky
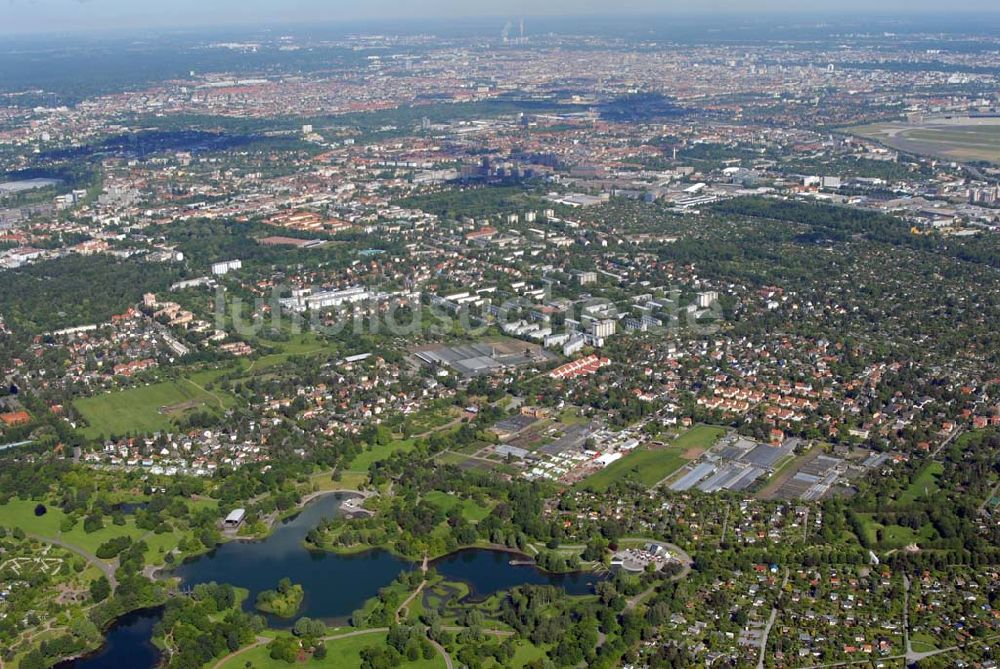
column 22, row 16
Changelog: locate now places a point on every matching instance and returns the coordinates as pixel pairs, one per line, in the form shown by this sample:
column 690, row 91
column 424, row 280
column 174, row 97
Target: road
column 940, row 651
column 106, row 567
column 770, row 624
column 908, row 649
column 4, row 448
column 763, row 638
column 952, row 437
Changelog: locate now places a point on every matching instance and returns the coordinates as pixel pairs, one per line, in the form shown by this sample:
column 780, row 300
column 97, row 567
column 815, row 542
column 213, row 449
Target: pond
column 127, row 644
column 335, row 585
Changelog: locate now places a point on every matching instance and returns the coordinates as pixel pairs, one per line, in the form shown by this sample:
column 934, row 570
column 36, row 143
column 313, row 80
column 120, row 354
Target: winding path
column 440, row 649
column 106, row 567
column 261, row 640
column 222, row 405
column 406, row 604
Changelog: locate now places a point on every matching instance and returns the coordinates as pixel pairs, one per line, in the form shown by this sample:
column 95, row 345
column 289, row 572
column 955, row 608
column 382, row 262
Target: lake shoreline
column 469, row 570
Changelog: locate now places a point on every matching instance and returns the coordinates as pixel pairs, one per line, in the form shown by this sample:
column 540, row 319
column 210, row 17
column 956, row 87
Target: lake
column 335, row 585
column 127, row 644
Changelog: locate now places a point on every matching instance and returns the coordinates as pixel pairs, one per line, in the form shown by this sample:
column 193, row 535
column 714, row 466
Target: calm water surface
column 335, row 585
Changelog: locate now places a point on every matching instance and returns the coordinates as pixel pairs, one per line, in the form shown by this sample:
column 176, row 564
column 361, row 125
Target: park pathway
column 440, row 649
column 222, row 405
column 261, row 640
column 406, row 604
column 106, row 567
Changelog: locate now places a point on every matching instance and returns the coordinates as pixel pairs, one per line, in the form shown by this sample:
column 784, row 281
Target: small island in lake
column 283, row 602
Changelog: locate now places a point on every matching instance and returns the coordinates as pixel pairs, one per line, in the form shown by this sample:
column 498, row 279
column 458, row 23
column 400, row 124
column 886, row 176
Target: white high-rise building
column 603, row 329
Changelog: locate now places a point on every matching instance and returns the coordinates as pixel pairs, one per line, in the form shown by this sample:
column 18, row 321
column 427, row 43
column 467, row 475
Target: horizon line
column 624, row 15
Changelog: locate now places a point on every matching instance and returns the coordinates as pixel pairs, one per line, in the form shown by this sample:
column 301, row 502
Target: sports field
column 146, row 409
column 953, row 139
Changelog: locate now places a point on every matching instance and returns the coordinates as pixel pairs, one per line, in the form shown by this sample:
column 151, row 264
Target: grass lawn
column 526, row 652
column 349, row 480
column 304, row 344
column 648, row 466
column 379, row 452
column 924, row 485
column 699, row 436
column 895, row 536
column 471, row 511
column 970, row 141
column 160, row 544
column 451, row 458
column 20, row 513
column 341, row 654
column 923, row 643
column 143, row 409
column 571, row 416
column 432, row 419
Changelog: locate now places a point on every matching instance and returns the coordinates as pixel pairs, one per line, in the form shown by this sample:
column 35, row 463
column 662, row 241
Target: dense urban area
column 529, row 346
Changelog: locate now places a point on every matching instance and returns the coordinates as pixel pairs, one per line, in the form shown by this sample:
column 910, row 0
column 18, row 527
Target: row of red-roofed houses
column 582, row 367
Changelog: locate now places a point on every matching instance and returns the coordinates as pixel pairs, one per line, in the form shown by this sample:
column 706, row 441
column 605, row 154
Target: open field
column 341, row 654
column 348, row 480
column 924, row 485
column 379, row 452
column 923, row 643
column 953, row 139
column 21, row 513
column 303, row 344
column 894, row 536
column 699, row 436
column 146, row 409
column 451, row 458
column 650, row 466
column 470, row 510
column 155, row 407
